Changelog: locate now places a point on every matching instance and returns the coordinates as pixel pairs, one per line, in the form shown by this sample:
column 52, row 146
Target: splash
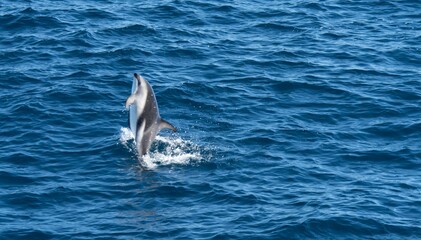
column 165, row 150
column 125, row 135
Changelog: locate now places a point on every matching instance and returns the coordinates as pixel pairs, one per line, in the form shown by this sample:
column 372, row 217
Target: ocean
column 296, row 120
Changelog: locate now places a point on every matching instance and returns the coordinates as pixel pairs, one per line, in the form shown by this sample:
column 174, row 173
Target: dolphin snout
column 137, row 76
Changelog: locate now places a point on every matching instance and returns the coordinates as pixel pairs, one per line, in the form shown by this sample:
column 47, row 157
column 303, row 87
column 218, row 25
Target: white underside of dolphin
column 144, row 119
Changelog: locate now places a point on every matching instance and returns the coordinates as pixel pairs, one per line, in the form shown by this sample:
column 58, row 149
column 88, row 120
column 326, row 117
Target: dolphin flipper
column 130, row 100
column 164, row 124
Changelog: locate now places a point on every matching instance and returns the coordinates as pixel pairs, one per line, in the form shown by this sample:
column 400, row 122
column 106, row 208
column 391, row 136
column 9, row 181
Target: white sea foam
column 166, row 150
column 125, row 135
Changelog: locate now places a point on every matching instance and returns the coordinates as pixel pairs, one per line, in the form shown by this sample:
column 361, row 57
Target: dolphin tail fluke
column 164, row 124
column 130, row 100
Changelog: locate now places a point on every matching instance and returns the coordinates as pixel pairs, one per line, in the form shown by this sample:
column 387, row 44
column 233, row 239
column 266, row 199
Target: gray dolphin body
column 144, row 119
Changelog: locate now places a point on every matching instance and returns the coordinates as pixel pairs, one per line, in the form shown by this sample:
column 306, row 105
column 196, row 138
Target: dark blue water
column 296, row 120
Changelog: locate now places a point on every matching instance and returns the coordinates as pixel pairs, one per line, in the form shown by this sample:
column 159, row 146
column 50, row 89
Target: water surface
column 296, row 120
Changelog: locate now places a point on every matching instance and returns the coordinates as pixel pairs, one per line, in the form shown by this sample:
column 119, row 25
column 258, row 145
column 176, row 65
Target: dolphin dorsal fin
column 164, row 124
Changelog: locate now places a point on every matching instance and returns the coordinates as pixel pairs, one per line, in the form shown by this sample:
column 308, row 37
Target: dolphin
column 144, row 119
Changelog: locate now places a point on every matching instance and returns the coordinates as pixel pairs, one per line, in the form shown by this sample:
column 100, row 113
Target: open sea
column 296, row 119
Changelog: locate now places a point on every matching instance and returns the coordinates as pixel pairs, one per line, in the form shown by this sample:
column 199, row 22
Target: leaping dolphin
column 144, row 119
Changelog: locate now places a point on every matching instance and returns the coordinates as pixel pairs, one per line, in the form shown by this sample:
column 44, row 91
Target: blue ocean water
column 297, row 120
